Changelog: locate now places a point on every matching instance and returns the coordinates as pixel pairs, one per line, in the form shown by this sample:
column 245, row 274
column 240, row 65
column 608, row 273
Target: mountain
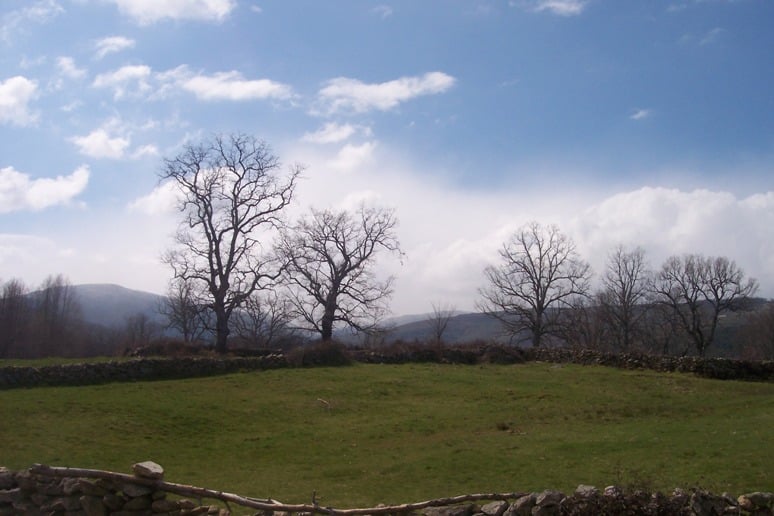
column 464, row 327
column 111, row 305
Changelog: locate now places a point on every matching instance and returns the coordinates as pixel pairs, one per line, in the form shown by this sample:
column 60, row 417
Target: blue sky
column 624, row 122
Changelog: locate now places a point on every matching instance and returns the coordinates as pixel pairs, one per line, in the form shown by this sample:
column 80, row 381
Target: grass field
column 405, row 433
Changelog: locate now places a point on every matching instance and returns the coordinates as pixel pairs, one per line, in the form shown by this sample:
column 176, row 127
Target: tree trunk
column 329, row 314
column 326, row 332
column 221, row 331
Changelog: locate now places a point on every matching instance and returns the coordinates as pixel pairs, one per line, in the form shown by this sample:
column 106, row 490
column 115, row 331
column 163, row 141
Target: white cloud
column 112, row 44
column 232, row 86
column 15, row 95
column 66, row 66
column 450, row 232
column 145, row 150
column 711, row 36
column 103, row 142
column 330, row 133
column 640, row 114
column 560, row 7
column 668, row 221
column 256, row 9
column 162, row 199
column 38, row 12
column 344, row 94
column 130, row 80
column 383, row 11
column 352, row 157
column 146, row 12
column 20, row 192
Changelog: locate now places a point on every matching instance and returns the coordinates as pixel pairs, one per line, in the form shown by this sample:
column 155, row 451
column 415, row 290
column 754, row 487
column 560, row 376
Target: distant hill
column 110, row 305
column 464, row 327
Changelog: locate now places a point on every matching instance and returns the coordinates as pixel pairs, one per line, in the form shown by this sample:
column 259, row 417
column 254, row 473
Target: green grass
column 405, row 433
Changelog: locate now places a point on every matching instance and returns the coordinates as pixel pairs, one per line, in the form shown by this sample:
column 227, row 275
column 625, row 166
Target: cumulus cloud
column 15, row 95
column 451, row 233
column 668, row 221
column 146, row 12
column 711, row 36
column 383, row 11
column 112, row 44
column 640, row 114
column 232, row 86
column 38, row 12
column 162, row 199
column 66, row 66
column 330, row 133
column 107, row 141
column 130, row 80
column 343, row 94
column 560, row 7
column 18, row 191
column 351, row 157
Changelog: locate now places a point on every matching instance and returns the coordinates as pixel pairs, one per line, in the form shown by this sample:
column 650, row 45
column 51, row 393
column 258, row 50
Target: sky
column 634, row 123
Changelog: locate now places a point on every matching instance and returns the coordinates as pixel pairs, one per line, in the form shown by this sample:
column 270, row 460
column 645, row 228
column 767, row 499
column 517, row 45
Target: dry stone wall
column 43, row 490
column 146, row 369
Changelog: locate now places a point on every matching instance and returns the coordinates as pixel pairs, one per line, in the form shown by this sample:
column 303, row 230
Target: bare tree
column 539, row 273
column 624, row 292
column 439, row 318
column 139, row 330
column 57, row 316
column 232, row 195
column 330, row 257
column 183, row 312
column 15, row 312
column 698, row 289
column 582, row 324
column 264, row 319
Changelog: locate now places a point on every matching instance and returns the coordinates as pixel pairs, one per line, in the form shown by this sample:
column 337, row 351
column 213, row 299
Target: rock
column 6, row 478
column 186, row 504
column 586, row 491
column 449, row 510
column 613, row 491
column 495, row 508
column 745, row 503
column 761, row 500
column 139, row 503
column 10, row 495
column 705, row 504
column 89, row 487
column 134, row 490
column 547, row 498
column 113, row 502
column 148, row 469
column 70, row 486
column 164, row 506
column 522, row 506
column 93, row 506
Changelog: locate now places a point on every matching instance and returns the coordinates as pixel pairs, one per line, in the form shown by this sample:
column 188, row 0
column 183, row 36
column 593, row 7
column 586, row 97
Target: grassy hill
column 364, row 434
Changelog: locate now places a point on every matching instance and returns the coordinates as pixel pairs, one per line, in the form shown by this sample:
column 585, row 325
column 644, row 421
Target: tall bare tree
column 57, row 315
column 439, row 318
column 264, row 320
column 232, row 195
column 698, row 289
column 539, row 273
column 624, row 291
column 330, row 257
column 15, row 313
column 183, row 312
